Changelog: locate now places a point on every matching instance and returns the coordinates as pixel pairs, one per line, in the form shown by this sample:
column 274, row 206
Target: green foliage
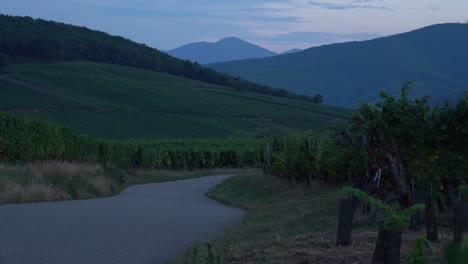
column 202, row 253
column 398, row 139
column 456, row 254
column 422, row 247
column 463, row 190
column 390, row 219
column 25, row 140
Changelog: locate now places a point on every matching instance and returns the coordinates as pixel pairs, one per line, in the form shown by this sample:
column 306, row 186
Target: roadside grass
column 288, row 223
column 56, row 180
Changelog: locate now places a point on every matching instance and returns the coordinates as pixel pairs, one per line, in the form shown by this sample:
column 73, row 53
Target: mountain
column 434, row 57
column 24, row 39
column 117, row 102
column 227, row 49
column 291, row 51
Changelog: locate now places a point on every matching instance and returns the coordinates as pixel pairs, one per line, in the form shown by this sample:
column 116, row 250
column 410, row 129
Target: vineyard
column 400, row 151
column 25, row 140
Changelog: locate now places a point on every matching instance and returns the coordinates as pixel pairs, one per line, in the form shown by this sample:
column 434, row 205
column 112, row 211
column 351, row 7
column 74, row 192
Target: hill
column 116, row 102
column 24, row 39
column 433, row 57
column 227, row 49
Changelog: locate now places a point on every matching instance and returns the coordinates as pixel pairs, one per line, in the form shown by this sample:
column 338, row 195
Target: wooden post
column 416, row 197
column 345, row 222
column 268, row 154
column 461, row 221
column 431, row 223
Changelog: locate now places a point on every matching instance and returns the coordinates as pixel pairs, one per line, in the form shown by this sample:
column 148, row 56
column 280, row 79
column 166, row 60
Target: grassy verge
column 54, row 181
column 287, row 223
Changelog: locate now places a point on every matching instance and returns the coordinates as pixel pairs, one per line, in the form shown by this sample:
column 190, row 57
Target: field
column 116, row 102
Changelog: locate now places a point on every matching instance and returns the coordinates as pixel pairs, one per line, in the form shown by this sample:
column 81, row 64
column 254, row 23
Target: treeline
column 24, row 140
column 25, row 39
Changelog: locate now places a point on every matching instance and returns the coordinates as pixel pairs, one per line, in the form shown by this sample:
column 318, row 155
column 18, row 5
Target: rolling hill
column 24, row 39
column 434, row 57
column 117, row 102
column 227, row 49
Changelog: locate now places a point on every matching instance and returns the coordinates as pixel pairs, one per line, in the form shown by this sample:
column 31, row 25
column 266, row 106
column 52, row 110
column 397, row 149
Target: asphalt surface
column 145, row 224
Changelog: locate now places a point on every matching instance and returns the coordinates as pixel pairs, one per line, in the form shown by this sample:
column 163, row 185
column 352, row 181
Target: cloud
column 303, row 40
column 350, row 5
column 428, row 8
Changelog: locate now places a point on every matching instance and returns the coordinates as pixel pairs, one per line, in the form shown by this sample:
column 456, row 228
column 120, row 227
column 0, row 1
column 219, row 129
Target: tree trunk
column 461, row 222
column 431, row 223
column 345, row 222
column 387, row 248
column 398, row 181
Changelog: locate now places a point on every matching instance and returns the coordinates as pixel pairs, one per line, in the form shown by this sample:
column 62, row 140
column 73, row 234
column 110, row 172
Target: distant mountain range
column 291, row 51
column 227, row 49
column 434, row 57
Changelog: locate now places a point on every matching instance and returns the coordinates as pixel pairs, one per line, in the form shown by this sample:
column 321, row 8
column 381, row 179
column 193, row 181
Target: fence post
column 461, row 220
column 415, row 224
column 431, row 223
column 345, row 222
column 268, row 154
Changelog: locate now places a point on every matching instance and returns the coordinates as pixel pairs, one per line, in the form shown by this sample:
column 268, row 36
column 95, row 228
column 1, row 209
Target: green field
column 109, row 101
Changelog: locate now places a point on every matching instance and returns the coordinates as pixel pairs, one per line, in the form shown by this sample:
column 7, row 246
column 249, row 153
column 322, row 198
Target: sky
column 278, row 25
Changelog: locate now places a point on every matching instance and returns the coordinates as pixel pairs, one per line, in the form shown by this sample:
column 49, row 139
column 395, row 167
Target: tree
column 317, row 99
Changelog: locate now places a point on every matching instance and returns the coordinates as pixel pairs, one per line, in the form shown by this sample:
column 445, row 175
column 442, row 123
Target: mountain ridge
column 226, row 49
column 347, row 73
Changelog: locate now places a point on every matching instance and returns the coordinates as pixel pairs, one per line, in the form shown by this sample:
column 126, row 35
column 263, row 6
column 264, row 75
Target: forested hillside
column 433, row 57
column 24, row 39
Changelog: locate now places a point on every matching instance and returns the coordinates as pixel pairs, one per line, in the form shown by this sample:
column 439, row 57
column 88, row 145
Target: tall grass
column 58, row 180
column 51, row 181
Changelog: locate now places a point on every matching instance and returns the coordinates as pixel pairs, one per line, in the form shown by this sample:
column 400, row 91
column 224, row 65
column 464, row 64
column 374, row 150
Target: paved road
column 145, row 224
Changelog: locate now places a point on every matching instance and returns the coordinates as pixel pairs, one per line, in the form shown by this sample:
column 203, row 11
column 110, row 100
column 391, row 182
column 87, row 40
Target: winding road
column 144, row 224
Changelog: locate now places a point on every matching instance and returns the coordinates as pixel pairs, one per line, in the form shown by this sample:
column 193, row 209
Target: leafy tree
column 317, row 99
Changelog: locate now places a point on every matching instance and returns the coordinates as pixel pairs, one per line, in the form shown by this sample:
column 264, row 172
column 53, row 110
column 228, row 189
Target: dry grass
column 57, row 180
column 13, row 192
column 43, row 170
column 51, row 181
column 319, row 247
